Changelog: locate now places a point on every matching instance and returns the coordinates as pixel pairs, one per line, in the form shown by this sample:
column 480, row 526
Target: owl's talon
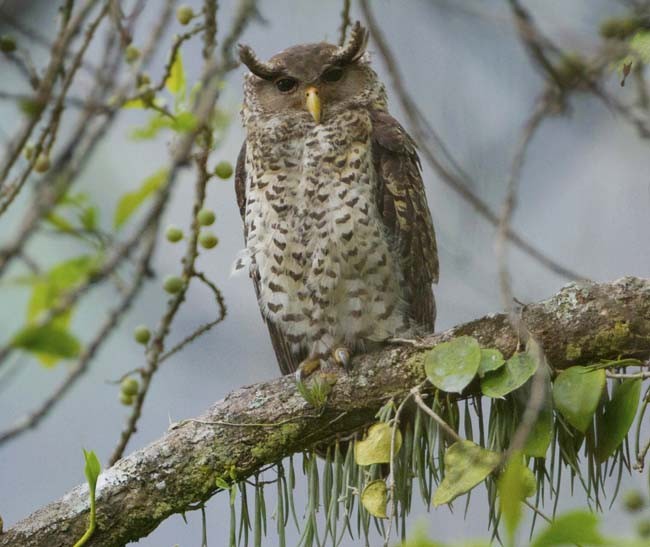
column 342, row 357
column 306, row 368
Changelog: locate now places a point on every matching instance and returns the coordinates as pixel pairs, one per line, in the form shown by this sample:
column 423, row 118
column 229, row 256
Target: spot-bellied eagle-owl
column 339, row 239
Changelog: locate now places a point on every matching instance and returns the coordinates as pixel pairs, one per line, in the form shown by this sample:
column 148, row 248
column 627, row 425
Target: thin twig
column 391, row 480
column 444, row 425
column 204, row 328
column 48, row 135
column 453, row 180
column 623, row 375
column 345, row 21
column 35, row 37
column 44, row 91
column 538, row 386
column 210, row 34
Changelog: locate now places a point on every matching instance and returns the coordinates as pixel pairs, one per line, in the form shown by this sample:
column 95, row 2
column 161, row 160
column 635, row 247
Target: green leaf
column 576, row 394
column 135, row 104
column 47, row 288
column 619, row 414
column 516, row 483
column 491, row 359
column 92, row 469
column 540, row 435
column 466, row 465
column 452, row 365
column 49, row 339
column 60, row 223
column 183, row 122
column 375, row 447
column 222, row 483
column 88, row 218
column 61, row 278
column 374, row 498
column 175, row 83
column 516, row 372
column 576, row 527
column 131, row 201
column 640, row 44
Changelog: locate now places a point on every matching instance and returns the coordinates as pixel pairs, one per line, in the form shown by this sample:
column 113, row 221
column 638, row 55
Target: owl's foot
column 413, row 342
column 342, row 357
column 306, row 368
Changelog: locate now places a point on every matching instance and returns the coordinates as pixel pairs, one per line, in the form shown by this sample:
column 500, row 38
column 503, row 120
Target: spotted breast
column 315, row 240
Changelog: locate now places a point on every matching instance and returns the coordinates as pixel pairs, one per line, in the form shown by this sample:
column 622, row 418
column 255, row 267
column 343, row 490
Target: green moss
column 282, row 436
column 612, row 340
column 162, row 510
column 415, row 364
column 573, row 351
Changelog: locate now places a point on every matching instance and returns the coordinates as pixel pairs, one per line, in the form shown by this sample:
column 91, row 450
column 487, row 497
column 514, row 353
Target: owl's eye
column 286, row 85
column 333, row 74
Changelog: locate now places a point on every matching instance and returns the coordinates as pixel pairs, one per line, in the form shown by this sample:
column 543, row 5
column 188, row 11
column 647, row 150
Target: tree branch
column 261, row 424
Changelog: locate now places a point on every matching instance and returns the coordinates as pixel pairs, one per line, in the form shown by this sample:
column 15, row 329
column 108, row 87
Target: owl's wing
column 287, row 360
column 405, row 212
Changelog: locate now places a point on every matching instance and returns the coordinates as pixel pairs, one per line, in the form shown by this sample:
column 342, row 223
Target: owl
column 339, row 240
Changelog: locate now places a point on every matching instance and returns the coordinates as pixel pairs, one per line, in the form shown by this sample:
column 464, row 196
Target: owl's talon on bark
column 342, row 357
column 306, row 368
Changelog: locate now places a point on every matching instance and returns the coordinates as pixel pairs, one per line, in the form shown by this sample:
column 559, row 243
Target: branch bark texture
column 261, row 424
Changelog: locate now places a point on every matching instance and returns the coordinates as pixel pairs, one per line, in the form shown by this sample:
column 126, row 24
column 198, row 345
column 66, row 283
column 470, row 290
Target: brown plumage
column 339, row 239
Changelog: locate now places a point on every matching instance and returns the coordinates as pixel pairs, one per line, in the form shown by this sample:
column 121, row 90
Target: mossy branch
column 584, row 323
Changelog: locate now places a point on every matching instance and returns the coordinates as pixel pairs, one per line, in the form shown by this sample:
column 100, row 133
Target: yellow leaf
column 131, row 201
column 375, row 448
column 466, row 465
column 374, row 498
column 135, row 103
column 175, row 83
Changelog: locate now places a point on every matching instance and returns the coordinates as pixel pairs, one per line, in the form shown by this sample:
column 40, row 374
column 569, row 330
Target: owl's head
column 312, row 79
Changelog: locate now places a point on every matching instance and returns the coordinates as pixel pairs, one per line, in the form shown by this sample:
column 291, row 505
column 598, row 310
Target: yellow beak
column 313, row 103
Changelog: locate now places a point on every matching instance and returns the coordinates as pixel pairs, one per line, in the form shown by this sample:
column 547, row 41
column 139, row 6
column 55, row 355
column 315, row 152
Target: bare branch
column 345, row 21
column 423, row 134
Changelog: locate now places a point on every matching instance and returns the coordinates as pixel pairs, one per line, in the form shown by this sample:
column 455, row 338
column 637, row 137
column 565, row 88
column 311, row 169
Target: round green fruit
column 643, row 528
column 141, row 334
column 174, row 234
column 173, row 284
column 205, row 217
column 131, row 54
column 184, row 14
column 633, row 500
column 143, row 79
column 7, row 44
column 126, row 400
column 28, row 151
column 42, row 164
column 208, row 240
column 129, row 387
column 223, row 170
